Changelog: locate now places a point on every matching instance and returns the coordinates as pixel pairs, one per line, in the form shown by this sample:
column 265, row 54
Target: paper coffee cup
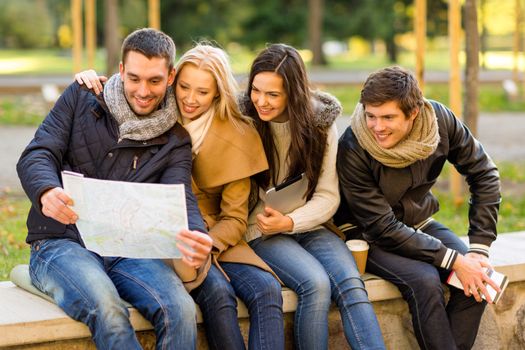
column 359, row 249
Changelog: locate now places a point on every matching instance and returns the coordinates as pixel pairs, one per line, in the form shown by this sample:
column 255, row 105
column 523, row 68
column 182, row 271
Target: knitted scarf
column 420, row 143
column 197, row 128
column 132, row 126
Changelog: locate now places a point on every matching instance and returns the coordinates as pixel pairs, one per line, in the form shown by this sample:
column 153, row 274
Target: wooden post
column 315, row 31
column 420, row 25
column 454, row 33
column 471, row 82
column 91, row 32
column 516, row 46
column 154, row 14
column 111, row 36
column 76, row 19
column 523, row 79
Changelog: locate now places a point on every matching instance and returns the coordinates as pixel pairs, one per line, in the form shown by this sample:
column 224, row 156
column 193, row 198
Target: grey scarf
column 420, row 143
column 132, row 126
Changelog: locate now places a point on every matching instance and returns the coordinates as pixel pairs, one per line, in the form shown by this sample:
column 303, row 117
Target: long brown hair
column 308, row 142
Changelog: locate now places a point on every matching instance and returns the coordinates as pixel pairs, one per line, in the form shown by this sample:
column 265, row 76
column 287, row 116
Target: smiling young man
column 127, row 134
column 387, row 161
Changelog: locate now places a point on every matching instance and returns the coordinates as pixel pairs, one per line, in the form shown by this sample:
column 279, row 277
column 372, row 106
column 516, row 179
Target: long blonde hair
column 215, row 61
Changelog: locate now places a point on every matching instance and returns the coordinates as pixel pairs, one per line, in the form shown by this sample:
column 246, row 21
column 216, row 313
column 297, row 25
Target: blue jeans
column 260, row 292
column 318, row 266
column 89, row 289
column 436, row 325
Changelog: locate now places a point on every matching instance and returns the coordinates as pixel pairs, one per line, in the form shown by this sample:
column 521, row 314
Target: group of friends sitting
column 189, row 123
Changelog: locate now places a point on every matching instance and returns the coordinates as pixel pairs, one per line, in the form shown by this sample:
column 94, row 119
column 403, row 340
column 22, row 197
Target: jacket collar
column 326, row 107
column 228, row 154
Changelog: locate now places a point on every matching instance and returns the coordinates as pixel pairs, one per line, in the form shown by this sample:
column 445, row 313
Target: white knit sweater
column 325, row 200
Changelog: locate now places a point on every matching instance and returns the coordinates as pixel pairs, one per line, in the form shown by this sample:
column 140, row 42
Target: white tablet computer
column 287, row 196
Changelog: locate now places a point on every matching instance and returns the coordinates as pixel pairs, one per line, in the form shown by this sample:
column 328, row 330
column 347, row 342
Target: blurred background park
column 476, row 66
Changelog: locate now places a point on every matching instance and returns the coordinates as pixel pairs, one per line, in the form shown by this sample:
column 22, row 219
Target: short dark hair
column 151, row 43
column 392, row 84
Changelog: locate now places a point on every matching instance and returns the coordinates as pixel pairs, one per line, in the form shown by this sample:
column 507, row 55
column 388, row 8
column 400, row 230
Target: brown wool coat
column 221, row 182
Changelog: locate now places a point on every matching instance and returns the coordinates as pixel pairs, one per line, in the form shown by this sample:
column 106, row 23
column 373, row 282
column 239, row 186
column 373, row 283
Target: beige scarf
column 197, row 128
column 132, row 126
column 420, row 143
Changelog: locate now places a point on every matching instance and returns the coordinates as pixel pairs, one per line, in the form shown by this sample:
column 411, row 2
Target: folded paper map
column 127, row 219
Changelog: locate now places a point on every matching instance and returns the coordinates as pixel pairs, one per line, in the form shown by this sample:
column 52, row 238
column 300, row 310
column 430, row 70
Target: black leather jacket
column 386, row 203
column 80, row 135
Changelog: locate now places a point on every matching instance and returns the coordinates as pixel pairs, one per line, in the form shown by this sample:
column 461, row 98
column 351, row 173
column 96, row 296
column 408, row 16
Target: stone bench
column 28, row 321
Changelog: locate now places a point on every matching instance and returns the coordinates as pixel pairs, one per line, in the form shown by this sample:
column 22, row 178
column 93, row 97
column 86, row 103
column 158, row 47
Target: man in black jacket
column 388, row 160
column 128, row 134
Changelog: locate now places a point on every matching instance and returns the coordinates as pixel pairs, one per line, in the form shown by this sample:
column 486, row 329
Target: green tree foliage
column 256, row 23
column 437, row 18
column 371, row 19
column 133, row 14
column 381, row 19
column 188, row 21
column 25, row 24
column 276, row 21
column 35, row 23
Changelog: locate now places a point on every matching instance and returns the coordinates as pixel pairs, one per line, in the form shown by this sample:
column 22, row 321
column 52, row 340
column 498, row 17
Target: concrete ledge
column 29, row 319
column 30, row 322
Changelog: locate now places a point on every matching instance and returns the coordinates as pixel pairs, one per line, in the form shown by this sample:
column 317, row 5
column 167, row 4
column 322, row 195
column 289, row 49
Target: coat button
column 144, row 142
column 110, row 154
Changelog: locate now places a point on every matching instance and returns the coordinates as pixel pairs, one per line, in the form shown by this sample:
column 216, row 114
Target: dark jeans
column 437, row 325
column 261, row 293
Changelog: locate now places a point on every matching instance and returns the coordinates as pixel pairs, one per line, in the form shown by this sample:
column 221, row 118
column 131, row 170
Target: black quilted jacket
column 80, row 135
column 385, row 203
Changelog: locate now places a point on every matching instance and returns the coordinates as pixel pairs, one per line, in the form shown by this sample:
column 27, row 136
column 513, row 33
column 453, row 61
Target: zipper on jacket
column 135, row 160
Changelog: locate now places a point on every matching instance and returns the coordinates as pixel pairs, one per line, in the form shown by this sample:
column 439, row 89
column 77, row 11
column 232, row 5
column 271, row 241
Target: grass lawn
column 22, row 110
column 13, row 249
column 42, row 62
column 14, row 209
column 57, row 61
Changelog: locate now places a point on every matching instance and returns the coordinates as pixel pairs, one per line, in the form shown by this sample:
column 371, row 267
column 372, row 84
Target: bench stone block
column 28, row 321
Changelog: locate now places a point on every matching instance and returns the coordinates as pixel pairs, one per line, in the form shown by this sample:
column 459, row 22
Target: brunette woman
column 299, row 136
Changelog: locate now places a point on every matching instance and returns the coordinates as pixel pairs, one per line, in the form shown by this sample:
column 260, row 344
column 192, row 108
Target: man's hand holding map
column 136, row 220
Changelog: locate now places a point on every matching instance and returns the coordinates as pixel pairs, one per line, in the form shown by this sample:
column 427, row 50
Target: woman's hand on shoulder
column 91, row 79
column 272, row 221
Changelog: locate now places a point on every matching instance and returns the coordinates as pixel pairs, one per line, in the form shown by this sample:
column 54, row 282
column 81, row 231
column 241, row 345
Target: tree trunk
column 391, row 49
column 483, row 35
column 315, row 30
column 470, row 107
column 111, row 37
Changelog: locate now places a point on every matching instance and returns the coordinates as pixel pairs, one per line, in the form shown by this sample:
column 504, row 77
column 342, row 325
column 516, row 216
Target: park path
column 319, row 76
column 501, row 134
